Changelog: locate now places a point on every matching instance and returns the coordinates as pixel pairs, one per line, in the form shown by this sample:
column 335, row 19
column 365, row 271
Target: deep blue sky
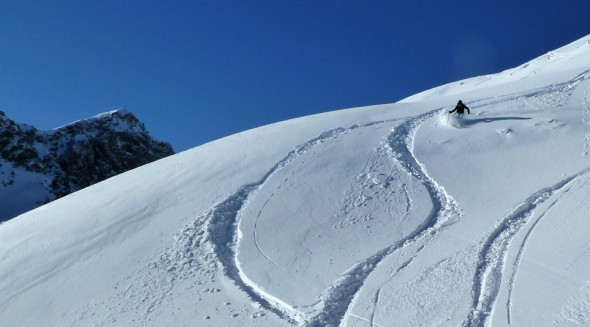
column 194, row 71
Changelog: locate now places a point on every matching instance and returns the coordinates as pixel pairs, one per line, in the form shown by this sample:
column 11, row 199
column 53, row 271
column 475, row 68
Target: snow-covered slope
column 556, row 66
column 392, row 215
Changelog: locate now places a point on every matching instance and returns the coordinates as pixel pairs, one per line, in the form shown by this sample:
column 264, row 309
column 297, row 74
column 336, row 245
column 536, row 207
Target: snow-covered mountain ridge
column 558, row 65
column 391, row 215
column 39, row 166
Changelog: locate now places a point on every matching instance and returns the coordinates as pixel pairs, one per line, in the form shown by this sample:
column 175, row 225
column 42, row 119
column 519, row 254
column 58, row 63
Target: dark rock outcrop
column 72, row 157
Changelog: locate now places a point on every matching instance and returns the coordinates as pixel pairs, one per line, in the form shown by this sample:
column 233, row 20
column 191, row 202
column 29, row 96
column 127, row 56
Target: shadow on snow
column 469, row 122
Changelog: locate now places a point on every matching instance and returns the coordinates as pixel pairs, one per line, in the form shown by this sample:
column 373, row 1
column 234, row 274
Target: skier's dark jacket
column 460, row 108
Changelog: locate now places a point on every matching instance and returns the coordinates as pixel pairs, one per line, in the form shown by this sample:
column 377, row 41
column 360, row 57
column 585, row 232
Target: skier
column 460, row 109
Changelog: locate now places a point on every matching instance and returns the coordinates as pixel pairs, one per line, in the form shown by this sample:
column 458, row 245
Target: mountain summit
column 37, row 167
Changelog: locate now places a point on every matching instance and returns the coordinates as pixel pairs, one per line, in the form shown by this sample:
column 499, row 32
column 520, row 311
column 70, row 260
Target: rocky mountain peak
column 61, row 161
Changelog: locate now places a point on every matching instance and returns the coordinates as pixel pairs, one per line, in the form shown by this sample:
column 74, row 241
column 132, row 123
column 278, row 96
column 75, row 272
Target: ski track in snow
column 491, row 258
column 586, row 118
column 337, row 298
column 223, row 233
column 564, row 190
column 211, row 239
column 556, row 95
column 256, row 234
column 375, row 304
column 373, row 324
column 517, row 262
column 201, row 246
column 215, row 234
column 488, row 272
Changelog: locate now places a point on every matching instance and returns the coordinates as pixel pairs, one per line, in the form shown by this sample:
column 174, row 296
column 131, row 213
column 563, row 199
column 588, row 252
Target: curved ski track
column 555, row 95
column 223, row 218
column 220, row 235
column 586, row 116
column 338, row 296
column 563, row 190
column 211, row 239
column 521, row 247
column 492, row 256
column 221, row 231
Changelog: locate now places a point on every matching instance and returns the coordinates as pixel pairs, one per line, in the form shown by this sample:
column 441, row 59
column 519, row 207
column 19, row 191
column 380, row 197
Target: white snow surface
column 390, row 215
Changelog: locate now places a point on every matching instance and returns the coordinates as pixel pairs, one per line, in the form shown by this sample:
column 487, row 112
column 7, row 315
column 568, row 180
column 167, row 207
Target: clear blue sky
column 194, row 71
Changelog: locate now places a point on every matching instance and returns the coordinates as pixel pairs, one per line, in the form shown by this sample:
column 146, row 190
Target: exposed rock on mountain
column 41, row 166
